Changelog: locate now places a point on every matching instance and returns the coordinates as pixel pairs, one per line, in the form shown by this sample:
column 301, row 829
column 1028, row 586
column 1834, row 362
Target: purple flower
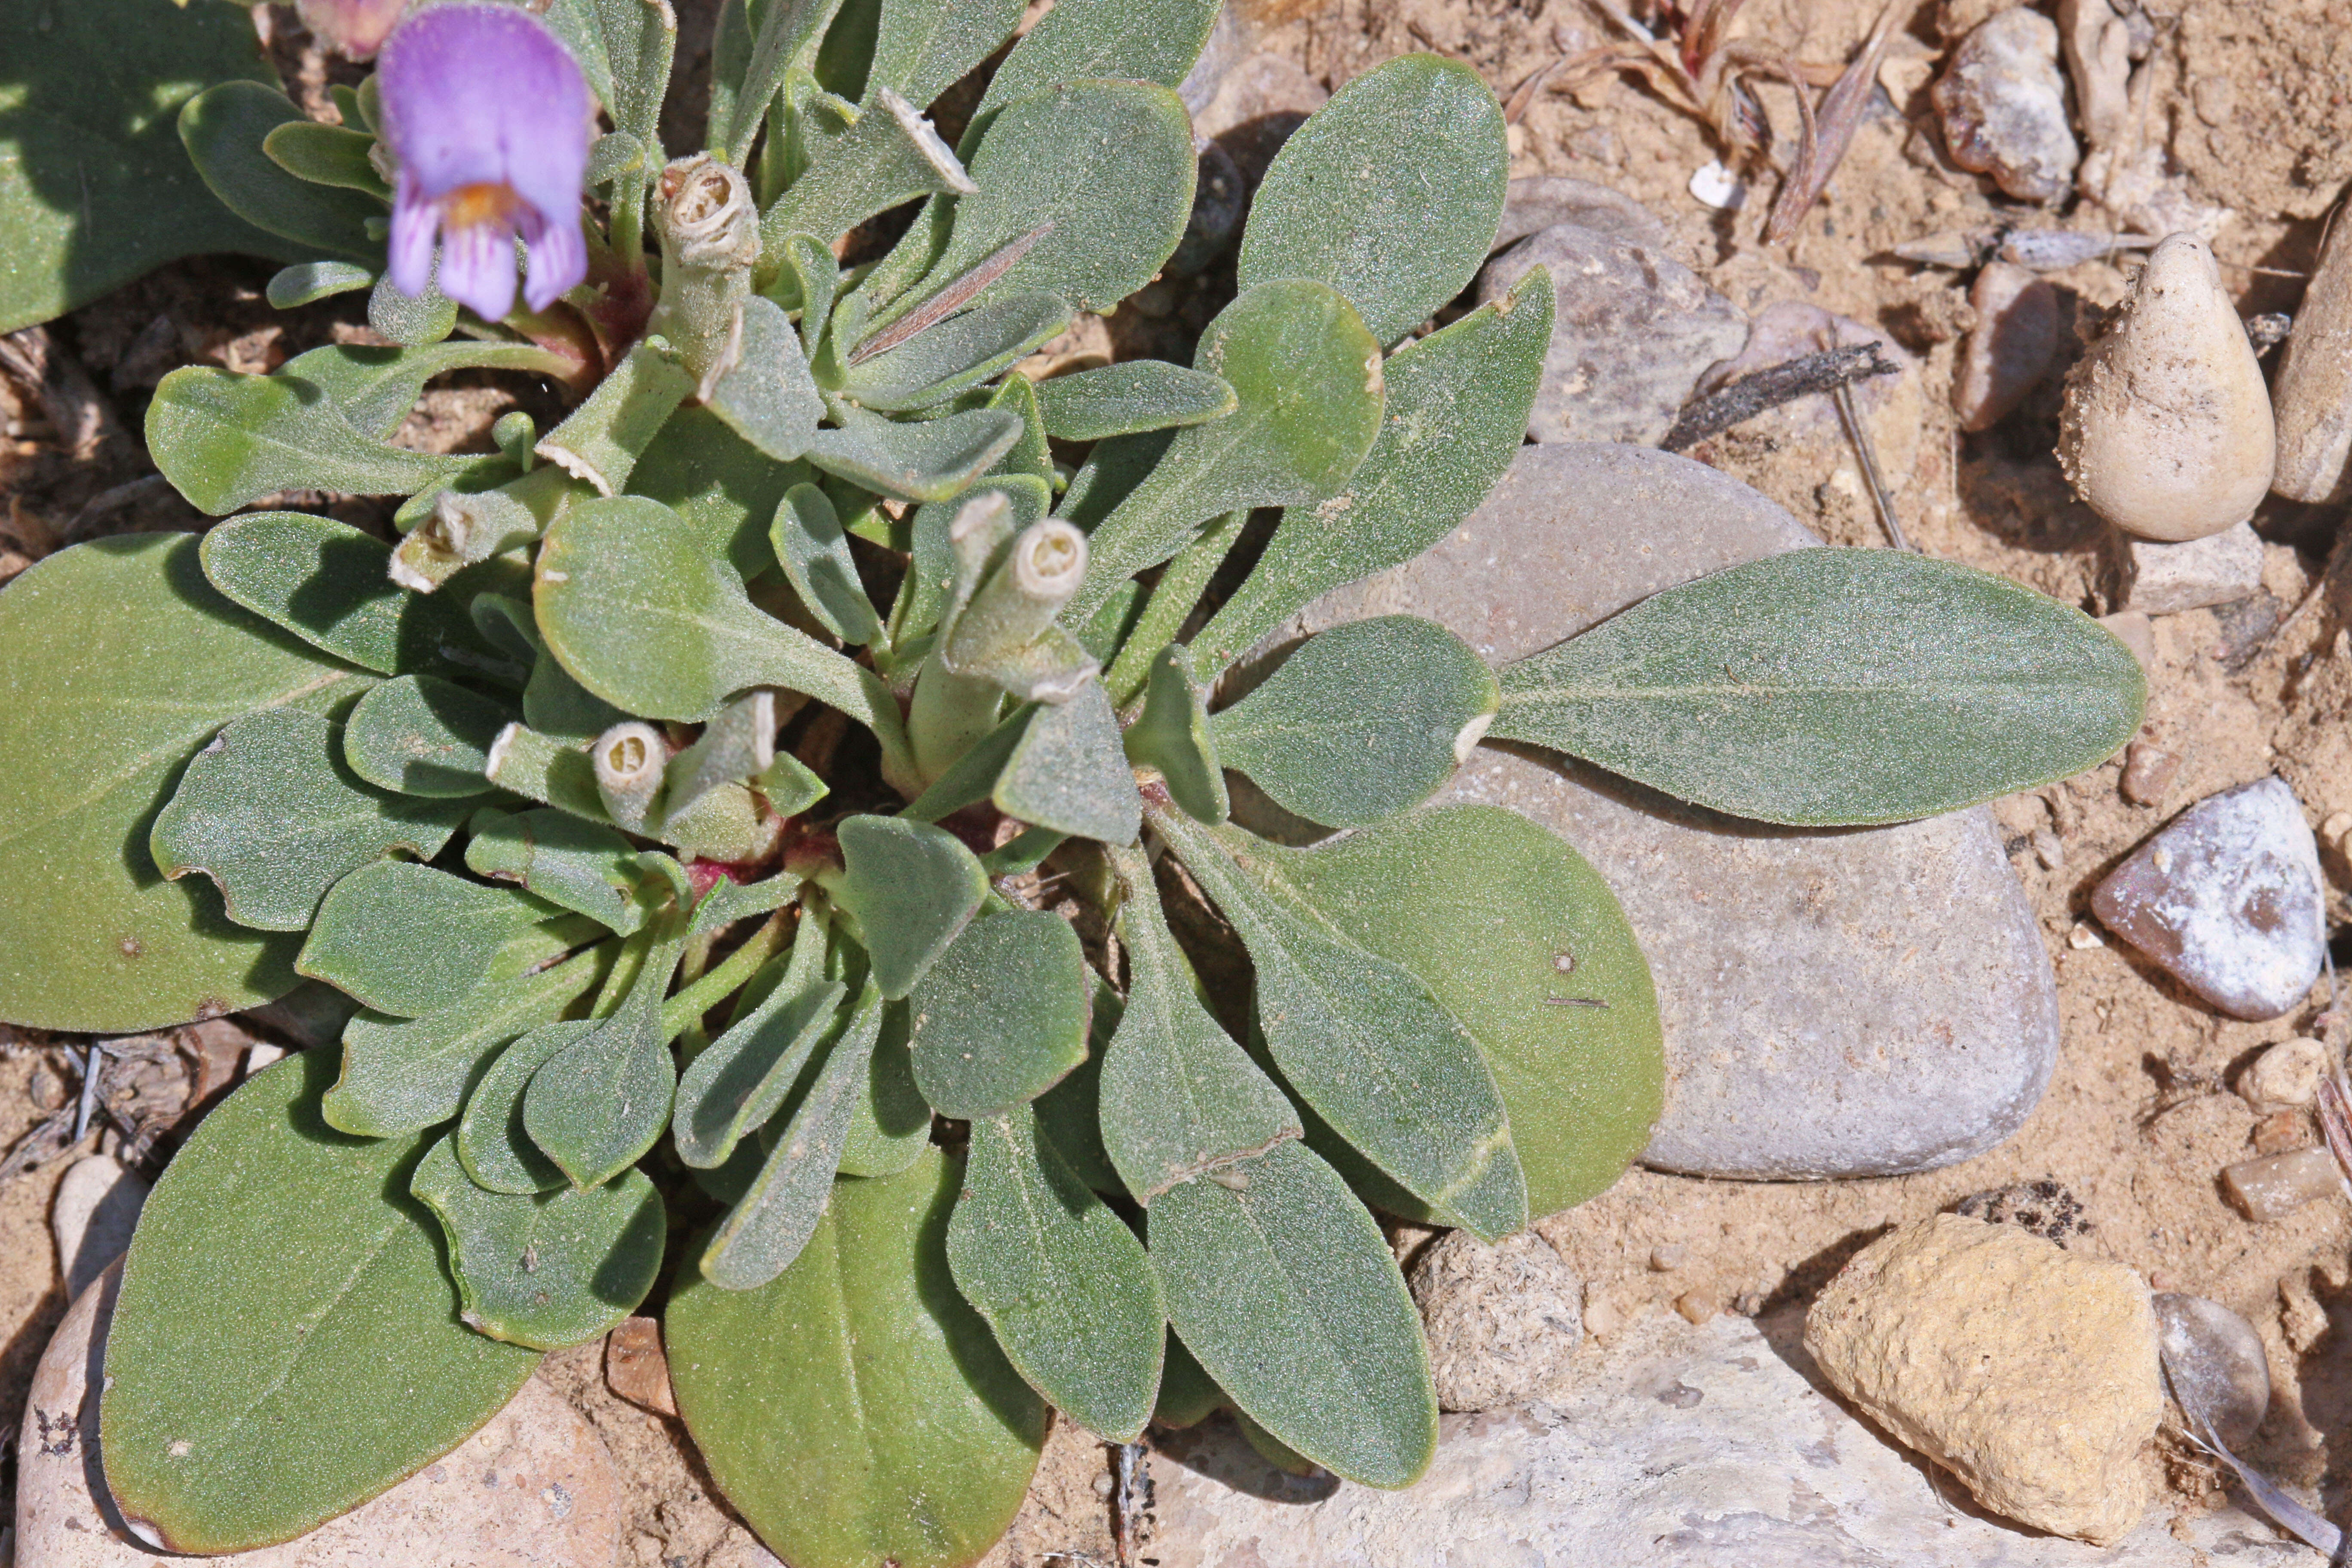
column 489, row 118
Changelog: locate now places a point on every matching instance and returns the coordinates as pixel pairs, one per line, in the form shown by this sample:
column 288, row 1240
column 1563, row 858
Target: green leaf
column 929, row 584
column 325, row 582
column 1456, row 413
column 891, row 1125
column 1122, row 399
column 95, row 186
column 492, row 1143
column 632, row 601
column 946, row 360
column 375, row 388
column 1829, row 687
column 721, row 483
column 1522, row 941
column 400, row 1075
column 1188, row 1395
column 273, row 815
column 1075, row 1304
column 416, row 322
column 308, row 282
column 555, row 772
column 286, row 1344
column 575, row 865
column 225, row 440
column 326, row 156
column 409, row 940
column 1364, row 1040
column 785, row 27
column 1307, row 377
column 1106, row 165
column 422, row 736
column 222, row 129
column 602, row 1101
column 769, row 398
column 1283, row 1288
column 773, row 1220
column 1069, row 773
column 924, row 47
column 1121, row 40
column 814, row 553
column 934, row 460
column 124, row 660
column 911, row 888
column 1179, row 1099
column 746, row 1075
column 1361, row 721
column 890, row 156
column 1001, row 1015
column 907, row 1438
column 547, row 1270
column 599, row 441
column 1390, row 192
column 1069, row 1113
column 1172, row 736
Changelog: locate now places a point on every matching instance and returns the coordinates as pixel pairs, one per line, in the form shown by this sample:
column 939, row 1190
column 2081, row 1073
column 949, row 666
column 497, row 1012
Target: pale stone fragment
column 2216, row 1362
column 2008, row 349
column 2314, row 395
column 1501, row 1321
column 2286, row 1075
column 2195, row 574
column 2004, row 107
column 96, row 1209
column 2274, row 1185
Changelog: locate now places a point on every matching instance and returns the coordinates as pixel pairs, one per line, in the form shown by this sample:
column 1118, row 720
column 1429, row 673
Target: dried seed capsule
column 2167, row 429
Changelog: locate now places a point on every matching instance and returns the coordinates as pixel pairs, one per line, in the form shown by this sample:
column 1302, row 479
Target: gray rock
column 1543, row 200
column 96, row 1209
column 2004, row 107
column 1836, row 1004
column 2009, row 349
column 2227, row 901
column 1503, row 1322
column 2166, row 579
column 2215, row 1362
column 2312, row 396
column 1759, row 1471
column 1634, row 330
column 1258, row 102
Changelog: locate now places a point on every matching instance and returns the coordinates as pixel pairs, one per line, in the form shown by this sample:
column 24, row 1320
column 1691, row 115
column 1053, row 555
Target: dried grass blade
column 952, row 298
column 1841, row 112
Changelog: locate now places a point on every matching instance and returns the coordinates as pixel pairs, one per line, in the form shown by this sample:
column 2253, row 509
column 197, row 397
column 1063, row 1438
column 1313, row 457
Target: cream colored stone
column 2029, row 1372
column 95, row 1210
column 2166, row 428
column 1502, row 1321
column 2314, row 381
column 2286, row 1075
column 534, row 1488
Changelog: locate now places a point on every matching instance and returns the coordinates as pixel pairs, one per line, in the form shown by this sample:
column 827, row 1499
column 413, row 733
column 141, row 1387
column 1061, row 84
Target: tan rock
column 2166, row 428
column 2008, row 349
column 1502, row 1321
column 2286, row 1075
column 2314, row 381
column 96, row 1208
column 638, row 1368
column 534, row 1488
column 2029, row 1372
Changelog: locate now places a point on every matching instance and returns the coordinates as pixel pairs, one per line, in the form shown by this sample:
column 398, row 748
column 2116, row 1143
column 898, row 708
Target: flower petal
column 477, row 94
column 559, row 258
column 416, row 218
column 478, row 267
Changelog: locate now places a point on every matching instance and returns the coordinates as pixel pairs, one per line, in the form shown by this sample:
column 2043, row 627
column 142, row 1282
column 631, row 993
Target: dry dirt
column 2246, row 103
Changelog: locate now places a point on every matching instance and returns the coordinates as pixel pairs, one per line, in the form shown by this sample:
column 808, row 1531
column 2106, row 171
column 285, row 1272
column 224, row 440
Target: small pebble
column 96, row 1209
column 1502, row 1321
column 2149, row 772
column 2160, row 579
column 2314, row 395
column 2227, row 901
column 1698, row 1306
column 2281, row 1131
column 2004, row 107
column 2085, row 936
column 1665, row 1260
column 2274, row 1185
column 1719, row 188
column 2048, row 850
column 2286, row 1075
column 2338, row 824
column 2216, row 1362
column 1104, row 1485
column 2133, row 630
column 2008, row 349
column 47, row 1089
column 2166, row 431
column 636, row 1368
column 1603, row 1317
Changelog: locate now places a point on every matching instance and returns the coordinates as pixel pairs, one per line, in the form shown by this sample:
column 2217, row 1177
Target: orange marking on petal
column 484, row 202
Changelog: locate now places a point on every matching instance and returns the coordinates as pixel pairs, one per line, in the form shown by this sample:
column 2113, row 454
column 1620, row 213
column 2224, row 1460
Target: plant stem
column 691, row 1003
column 1180, row 588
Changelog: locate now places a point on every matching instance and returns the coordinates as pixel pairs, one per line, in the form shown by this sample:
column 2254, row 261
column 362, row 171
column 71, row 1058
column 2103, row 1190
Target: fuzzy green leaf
column 408, row 940
column 286, row 1342
column 492, row 1143
column 959, row 353
column 1829, row 688
column 814, row 553
column 573, row 864
column 1174, row 736
column 741, row 1079
column 1364, row 1041
column 1390, row 192
column 1138, row 395
column 889, row 156
column 547, row 1270
column 601, row 440
column 1308, row 376
column 124, row 660
column 418, row 735
column 911, row 888
column 224, row 129
column 602, row 1101
column 1001, row 1015
column 400, row 1075
column 923, row 46
column 906, row 1438
column 376, row 387
column 1361, row 721
column 270, row 813
column 1456, row 413
column 721, row 484
column 1121, row 40
column 769, row 398
column 1075, row 1304
column 891, row 1125
column 225, row 440
column 326, row 156
column 1069, row 773
column 1284, row 1289
column 933, row 460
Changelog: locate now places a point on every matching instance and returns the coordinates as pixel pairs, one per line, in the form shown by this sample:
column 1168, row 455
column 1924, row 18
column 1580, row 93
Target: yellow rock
column 2029, row 1372
column 2167, row 431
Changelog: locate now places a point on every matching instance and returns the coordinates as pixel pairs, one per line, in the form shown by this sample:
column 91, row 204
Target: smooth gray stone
column 2216, row 1362
column 1682, row 1448
column 1633, row 330
column 1857, row 1002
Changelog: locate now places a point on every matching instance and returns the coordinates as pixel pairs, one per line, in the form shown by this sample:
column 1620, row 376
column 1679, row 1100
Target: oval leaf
column 903, row 1436
column 911, row 888
column 1138, row 395
column 407, row 939
column 1834, row 688
column 1001, row 1015
column 286, row 1344
column 418, row 735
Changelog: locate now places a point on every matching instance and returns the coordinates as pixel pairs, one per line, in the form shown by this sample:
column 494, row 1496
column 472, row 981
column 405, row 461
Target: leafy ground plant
column 733, row 827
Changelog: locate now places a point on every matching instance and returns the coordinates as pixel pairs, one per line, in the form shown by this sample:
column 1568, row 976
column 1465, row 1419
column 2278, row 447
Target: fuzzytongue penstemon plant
column 651, row 869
